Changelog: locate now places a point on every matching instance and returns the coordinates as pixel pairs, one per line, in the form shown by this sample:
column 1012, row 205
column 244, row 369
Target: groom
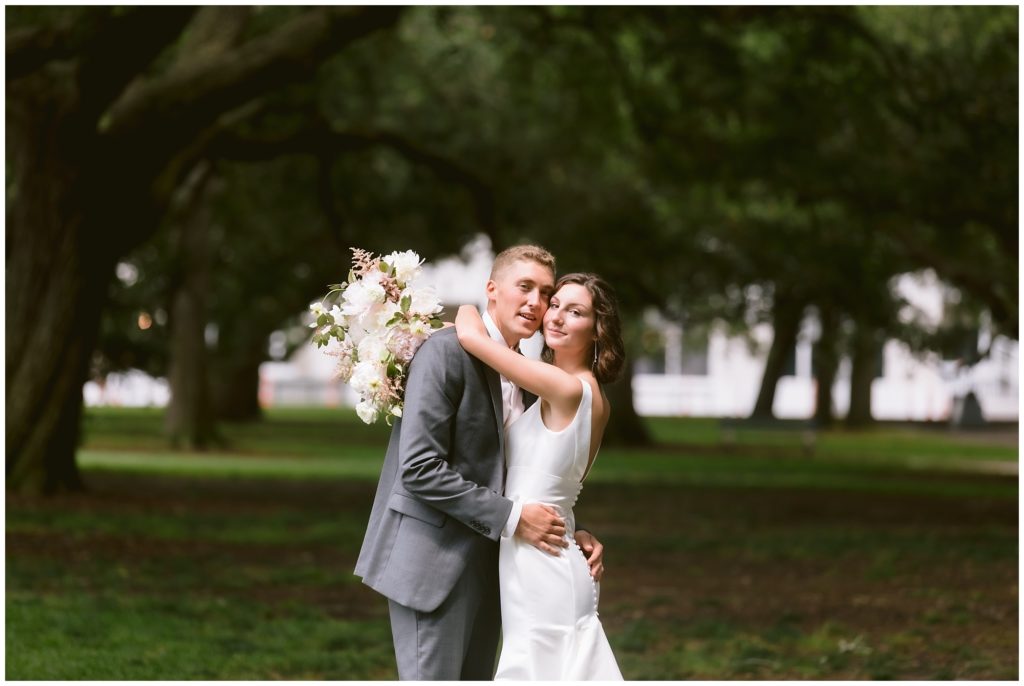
column 431, row 543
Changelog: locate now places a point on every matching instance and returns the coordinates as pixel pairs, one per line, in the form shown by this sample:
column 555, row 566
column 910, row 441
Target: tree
column 107, row 110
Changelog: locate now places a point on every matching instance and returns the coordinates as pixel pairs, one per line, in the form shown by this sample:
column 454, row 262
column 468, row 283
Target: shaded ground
column 703, row 582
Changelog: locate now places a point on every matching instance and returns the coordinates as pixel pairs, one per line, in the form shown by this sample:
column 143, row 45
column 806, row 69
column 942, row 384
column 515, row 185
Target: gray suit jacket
column 439, row 496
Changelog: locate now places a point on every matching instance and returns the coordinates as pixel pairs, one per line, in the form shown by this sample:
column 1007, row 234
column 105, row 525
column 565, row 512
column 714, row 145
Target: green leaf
column 436, row 323
column 395, row 319
column 323, row 320
column 384, row 266
column 406, row 302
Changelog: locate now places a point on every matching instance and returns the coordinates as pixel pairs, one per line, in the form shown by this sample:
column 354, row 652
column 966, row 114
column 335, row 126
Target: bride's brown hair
column 611, row 352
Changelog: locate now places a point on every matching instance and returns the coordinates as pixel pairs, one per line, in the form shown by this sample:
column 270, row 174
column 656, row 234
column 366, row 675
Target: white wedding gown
column 549, row 623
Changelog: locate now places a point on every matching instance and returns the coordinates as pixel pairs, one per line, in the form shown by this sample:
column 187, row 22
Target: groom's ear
column 491, row 289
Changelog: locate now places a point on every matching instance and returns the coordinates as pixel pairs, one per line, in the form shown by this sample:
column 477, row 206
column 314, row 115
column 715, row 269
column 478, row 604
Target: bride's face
column 569, row 325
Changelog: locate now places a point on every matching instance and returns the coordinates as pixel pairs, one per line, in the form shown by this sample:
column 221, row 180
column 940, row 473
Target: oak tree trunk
column 57, row 273
column 189, row 421
column 864, row 369
column 786, row 324
column 236, row 385
column 826, row 364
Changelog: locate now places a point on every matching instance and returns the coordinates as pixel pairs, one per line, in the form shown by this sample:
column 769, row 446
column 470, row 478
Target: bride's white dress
column 549, row 623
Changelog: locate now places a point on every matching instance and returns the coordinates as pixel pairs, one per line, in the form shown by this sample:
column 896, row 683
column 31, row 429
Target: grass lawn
column 877, row 558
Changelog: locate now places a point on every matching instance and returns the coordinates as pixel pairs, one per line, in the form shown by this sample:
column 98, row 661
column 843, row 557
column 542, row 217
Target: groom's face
column 518, row 297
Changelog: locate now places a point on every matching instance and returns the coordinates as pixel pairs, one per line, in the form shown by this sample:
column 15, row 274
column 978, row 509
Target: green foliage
column 704, row 160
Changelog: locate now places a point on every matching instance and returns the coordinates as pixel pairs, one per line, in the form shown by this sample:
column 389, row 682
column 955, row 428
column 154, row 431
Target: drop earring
column 595, row 356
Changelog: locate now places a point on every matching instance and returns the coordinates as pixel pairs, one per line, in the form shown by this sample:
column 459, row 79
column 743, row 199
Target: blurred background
column 810, row 217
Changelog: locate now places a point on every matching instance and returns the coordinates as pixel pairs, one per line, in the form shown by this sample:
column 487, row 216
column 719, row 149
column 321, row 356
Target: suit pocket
column 414, row 508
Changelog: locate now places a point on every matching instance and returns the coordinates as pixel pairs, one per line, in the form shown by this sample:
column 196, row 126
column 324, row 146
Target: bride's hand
column 594, row 551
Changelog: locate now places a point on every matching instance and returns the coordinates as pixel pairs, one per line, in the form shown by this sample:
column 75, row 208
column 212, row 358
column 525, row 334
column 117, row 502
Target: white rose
column 406, row 265
column 386, row 312
column 373, row 276
column 373, row 348
column 424, row 301
column 361, row 296
column 366, row 411
column 367, row 377
column 419, row 328
column 355, row 333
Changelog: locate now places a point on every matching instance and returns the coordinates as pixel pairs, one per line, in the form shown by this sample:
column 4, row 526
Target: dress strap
column 588, row 392
column 583, row 430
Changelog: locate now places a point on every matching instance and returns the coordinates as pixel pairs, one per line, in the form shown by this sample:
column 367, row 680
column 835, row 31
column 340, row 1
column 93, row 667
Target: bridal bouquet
column 378, row 321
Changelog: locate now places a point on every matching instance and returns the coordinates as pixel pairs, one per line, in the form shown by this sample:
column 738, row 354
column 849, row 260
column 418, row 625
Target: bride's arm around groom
column 430, row 545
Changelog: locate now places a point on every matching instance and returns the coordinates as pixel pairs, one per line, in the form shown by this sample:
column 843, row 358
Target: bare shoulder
column 600, row 405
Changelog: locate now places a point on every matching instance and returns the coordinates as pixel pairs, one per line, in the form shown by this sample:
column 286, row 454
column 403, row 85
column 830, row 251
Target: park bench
column 806, row 430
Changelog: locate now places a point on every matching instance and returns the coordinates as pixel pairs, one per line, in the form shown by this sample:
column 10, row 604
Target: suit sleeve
column 433, row 392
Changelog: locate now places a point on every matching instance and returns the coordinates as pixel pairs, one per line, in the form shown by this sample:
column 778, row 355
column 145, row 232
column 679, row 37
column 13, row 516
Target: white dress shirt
column 511, row 407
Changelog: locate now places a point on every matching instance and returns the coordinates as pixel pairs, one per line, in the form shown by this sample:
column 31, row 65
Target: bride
column 550, row 628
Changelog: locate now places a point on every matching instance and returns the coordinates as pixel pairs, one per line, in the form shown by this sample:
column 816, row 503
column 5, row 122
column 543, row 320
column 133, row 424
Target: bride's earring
column 595, row 355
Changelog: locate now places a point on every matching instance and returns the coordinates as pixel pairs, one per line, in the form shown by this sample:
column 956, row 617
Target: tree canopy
column 731, row 163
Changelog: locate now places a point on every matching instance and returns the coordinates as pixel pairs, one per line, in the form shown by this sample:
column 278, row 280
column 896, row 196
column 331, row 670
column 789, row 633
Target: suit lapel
column 494, row 384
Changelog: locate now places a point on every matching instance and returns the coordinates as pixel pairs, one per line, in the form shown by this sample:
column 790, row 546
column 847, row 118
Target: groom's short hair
column 533, row 253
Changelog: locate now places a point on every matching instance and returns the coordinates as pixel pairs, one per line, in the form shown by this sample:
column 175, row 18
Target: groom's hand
column 594, row 551
column 542, row 527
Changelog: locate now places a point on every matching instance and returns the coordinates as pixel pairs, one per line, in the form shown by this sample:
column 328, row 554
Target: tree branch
column 320, row 139
column 122, row 49
column 27, row 48
column 175, row 107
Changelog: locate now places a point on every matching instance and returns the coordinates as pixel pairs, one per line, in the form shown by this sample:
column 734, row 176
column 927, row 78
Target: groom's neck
column 511, row 340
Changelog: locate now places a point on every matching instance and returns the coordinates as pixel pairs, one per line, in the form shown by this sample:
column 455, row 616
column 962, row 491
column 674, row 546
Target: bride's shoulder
column 588, row 379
